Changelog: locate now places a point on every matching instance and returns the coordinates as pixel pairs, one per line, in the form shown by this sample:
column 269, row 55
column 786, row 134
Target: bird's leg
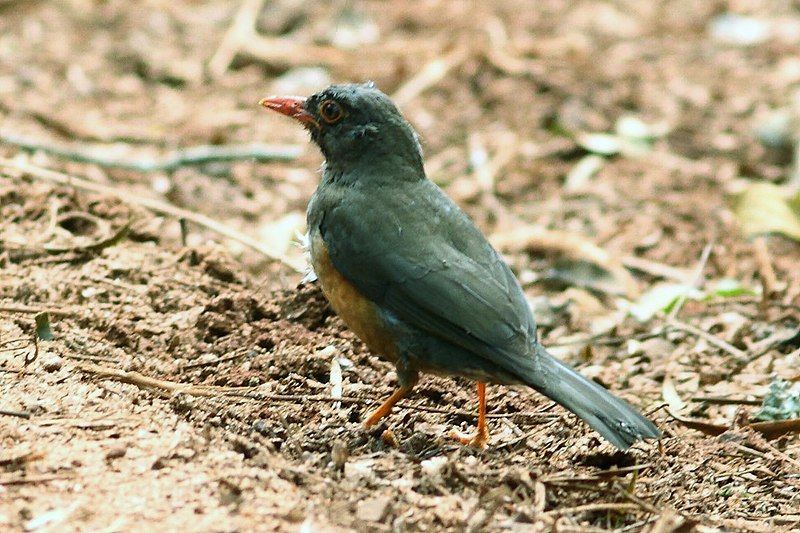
column 386, row 406
column 481, row 436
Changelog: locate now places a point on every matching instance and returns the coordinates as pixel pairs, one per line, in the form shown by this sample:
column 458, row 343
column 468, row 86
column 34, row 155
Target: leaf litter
column 175, row 310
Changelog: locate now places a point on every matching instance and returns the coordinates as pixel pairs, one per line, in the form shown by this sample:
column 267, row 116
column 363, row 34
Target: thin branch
column 196, row 155
column 242, row 28
column 25, row 480
column 157, row 206
column 43, row 308
column 716, row 400
column 769, row 280
column 656, row 269
column 243, row 38
column 146, row 382
column 102, row 244
column 696, row 281
column 11, row 412
column 711, row 339
column 592, row 507
column 429, row 75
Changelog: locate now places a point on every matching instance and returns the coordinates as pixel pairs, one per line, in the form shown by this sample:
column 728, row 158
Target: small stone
column 373, row 509
column 339, row 454
column 52, row 362
column 358, row 469
column 434, row 465
column 116, row 452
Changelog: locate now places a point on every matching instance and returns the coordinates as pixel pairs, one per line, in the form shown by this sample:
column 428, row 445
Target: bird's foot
column 477, row 441
column 389, row 439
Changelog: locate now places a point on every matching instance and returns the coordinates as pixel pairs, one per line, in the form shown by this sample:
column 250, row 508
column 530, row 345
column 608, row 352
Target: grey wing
column 453, row 286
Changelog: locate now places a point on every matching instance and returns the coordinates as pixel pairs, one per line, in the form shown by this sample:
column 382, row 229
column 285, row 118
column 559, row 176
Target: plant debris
column 193, row 381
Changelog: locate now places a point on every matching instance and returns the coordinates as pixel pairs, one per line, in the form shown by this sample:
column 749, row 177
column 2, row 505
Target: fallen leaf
column 700, row 425
column 661, row 297
column 728, row 288
column 578, row 273
column 43, row 331
column 739, row 30
column 671, row 396
column 583, row 172
column 781, row 403
column 771, row 430
column 765, row 208
column 634, row 128
column 599, row 143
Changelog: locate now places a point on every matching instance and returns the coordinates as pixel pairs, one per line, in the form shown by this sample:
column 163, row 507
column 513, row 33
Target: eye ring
column 331, row 112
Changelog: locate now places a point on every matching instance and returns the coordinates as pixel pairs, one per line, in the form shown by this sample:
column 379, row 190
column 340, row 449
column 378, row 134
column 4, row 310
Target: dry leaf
column 671, row 396
column 766, row 208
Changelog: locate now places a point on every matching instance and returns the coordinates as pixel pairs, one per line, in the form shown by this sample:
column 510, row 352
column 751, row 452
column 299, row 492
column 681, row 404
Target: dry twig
column 769, row 281
column 12, row 412
column 154, row 205
column 145, row 382
column 592, row 507
column 656, row 269
column 27, row 480
column 711, row 339
column 35, row 309
column 242, row 29
column 696, row 282
column 243, row 39
column 196, row 155
column 429, row 75
column 500, row 53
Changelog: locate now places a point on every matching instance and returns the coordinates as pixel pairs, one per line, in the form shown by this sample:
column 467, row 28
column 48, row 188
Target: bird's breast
column 358, row 312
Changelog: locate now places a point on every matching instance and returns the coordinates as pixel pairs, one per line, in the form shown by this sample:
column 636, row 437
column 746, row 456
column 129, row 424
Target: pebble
column 434, row 465
column 373, row 509
column 116, row 452
column 51, row 362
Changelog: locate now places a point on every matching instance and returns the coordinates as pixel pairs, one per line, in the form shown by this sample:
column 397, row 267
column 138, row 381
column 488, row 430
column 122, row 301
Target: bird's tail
column 612, row 417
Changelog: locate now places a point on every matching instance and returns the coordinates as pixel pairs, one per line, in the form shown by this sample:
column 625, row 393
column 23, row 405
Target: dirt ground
column 191, row 380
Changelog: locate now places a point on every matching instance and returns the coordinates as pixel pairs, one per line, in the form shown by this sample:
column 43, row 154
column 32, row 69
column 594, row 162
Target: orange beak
column 291, row 106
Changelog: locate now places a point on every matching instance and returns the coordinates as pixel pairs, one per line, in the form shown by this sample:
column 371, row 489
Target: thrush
column 415, row 279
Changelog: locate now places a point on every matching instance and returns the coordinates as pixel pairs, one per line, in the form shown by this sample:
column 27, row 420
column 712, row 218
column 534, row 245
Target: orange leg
column 481, row 436
column 386, row 406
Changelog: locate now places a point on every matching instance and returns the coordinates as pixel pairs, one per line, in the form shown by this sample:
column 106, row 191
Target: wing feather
column 430, row 266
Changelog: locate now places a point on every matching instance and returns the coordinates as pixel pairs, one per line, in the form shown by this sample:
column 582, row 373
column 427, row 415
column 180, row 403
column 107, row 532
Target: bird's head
column 352, row 124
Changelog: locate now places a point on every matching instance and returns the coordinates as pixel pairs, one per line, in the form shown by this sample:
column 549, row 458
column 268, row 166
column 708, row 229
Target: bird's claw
column 477, row 441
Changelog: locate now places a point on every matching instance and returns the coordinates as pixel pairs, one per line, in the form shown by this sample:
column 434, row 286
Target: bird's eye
column 331, row 112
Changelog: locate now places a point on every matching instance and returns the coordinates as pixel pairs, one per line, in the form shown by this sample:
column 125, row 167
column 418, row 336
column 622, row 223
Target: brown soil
column 255, row 442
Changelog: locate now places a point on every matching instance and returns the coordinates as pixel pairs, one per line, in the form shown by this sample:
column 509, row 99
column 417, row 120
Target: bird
column 414, row 278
